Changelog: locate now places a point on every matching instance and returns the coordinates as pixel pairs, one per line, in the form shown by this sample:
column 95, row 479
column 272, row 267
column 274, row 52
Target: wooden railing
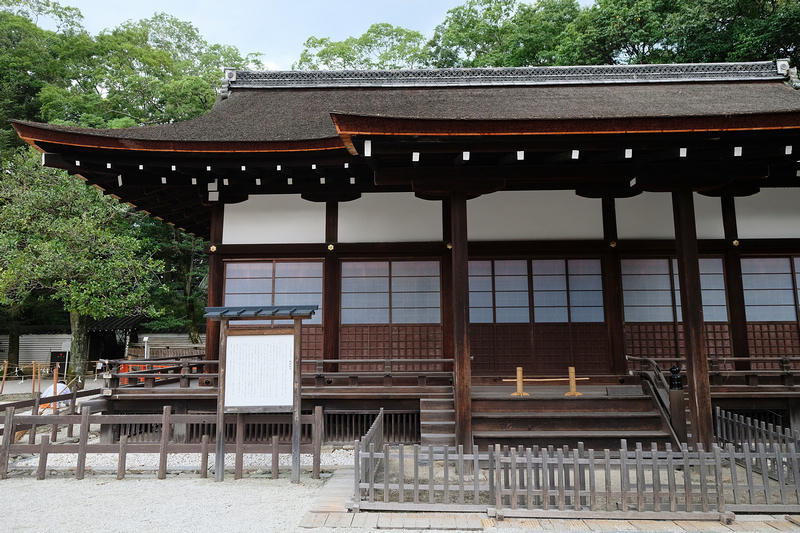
column 752, row 371
column 155, row 372
column 777, row 370
column 328, row 373
column 171, row 438
column 366, row 466
column 668, row 394
column 384, row 372
column 35, row 404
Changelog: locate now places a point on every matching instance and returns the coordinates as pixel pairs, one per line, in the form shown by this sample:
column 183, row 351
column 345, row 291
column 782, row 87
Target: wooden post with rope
column 55, row 389
column 573, row 389
column 5, row 373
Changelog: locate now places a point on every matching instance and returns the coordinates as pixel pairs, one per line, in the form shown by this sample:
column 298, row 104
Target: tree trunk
column 194, row 333
column 13, row 344
column 79, row 352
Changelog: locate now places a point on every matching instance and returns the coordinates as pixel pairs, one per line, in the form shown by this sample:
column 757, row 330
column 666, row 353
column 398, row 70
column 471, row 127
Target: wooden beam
column 460, row 283
column 733, row 283
column 664, row 176
column 331, row 279
column 693, row 324
column 448, row 346
column 216, row 280
column 612, row 290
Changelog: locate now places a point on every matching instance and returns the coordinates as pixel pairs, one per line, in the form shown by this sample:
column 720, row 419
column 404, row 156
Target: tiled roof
column 283, row 311
column 578, row 75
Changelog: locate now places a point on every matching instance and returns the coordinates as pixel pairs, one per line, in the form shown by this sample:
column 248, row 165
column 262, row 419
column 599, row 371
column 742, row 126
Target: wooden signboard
column 259, row 376
column 259, row 369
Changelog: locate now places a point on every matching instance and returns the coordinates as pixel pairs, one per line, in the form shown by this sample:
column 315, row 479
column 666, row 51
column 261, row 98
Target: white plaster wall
column 770, row 214
column 646, row 216
column 36, row 347
column 390, row 217
column 278, row 219
column 534, row 215
column 708, row 216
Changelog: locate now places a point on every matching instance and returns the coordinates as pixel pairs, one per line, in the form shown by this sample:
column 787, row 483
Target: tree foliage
column 182, row 290
column 68, row 241
column 60, row 239
column 153, row 71
column 738, row 30
column 479, row 33
column 382, row 46
column 512, row 33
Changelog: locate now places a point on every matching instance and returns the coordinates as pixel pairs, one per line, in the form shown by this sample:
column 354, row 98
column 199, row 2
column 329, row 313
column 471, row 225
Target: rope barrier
column 573, row 391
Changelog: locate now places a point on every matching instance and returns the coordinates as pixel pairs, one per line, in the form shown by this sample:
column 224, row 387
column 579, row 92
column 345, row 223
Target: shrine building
column 454, row 225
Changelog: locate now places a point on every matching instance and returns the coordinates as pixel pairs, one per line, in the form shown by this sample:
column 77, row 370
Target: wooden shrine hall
column 453, row 225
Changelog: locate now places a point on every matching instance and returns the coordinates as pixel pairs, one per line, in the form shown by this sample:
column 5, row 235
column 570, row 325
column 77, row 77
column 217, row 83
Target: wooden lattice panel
column 590, row 348
column 650, row 339
column 417, row 342
column 364, row 342
column 718, row 343
column 311, row 346
column 481, row 348
column 384, row 341
column 513, row 348
column 772, row 339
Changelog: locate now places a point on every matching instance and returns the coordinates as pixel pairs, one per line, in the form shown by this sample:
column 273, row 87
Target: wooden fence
column 563, row 482
column 744, row 431
column 171, row 431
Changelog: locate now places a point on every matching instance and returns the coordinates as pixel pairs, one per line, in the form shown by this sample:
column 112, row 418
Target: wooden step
column 599, row 419
column 437, row 421
column 577, row 420
column 438, row 439
column 608, row 404
column 596, row 440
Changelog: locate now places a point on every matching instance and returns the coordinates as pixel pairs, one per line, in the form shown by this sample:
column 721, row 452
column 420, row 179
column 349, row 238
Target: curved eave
column 349, row 125
column 34, row 133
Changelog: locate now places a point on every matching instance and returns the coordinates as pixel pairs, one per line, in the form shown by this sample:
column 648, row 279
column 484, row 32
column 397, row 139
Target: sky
column 276, row 28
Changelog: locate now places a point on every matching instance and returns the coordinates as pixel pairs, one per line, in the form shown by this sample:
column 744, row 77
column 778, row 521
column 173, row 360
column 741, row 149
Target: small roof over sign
column 279, row 311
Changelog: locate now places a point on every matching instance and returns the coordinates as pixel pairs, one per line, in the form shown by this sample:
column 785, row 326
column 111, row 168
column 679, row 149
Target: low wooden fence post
column 165, row 436
column 8, row 439
column 83, row 441
column 123, row 457
column 317, row 433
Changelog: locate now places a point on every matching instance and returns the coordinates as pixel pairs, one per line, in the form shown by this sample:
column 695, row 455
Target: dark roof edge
column 578, row 75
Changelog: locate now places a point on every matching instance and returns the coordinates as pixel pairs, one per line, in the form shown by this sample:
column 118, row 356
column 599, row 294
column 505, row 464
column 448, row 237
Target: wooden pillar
column 216, row 281
column 331, row 295
column 735, row 288
column 460, row 290
column 693, row 324
column 448, row 350
column 612, row 291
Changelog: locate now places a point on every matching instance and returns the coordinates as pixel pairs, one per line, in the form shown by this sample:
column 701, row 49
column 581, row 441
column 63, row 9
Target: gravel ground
column 182, row 502
column 141, row 502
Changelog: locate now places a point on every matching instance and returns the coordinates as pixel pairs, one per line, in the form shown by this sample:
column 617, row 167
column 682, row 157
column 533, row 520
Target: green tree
column 538, row 31
column 182, row 292
column 27, row 65
column 65, row 239
column 382, row 46
column 738, row 30
column 479, row 33
column 622, row 32
column 153, row 71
